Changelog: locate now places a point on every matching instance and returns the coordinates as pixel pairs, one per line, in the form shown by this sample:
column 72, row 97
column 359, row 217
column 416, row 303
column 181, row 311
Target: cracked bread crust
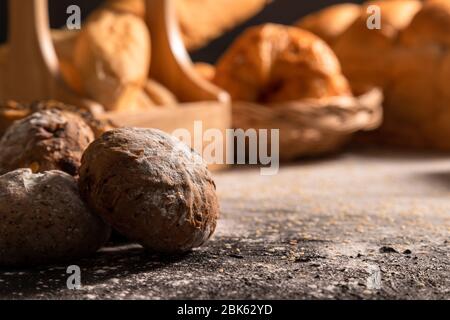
column 43, row 220
column 151, row 188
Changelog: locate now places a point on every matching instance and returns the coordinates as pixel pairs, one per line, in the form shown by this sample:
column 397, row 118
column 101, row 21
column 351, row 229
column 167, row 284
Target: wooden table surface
column 320, row 229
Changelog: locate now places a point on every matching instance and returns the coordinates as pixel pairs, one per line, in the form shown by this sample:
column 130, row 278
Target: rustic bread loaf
column 46, row 140
column 112, row 54
column 151, row 188
column 43, row 220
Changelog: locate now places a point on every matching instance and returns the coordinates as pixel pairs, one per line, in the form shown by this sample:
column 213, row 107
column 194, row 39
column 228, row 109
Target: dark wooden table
column 366, row 224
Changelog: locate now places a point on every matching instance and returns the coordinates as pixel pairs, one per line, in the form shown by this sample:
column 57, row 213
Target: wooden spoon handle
column 171, row 64
column 32, row 63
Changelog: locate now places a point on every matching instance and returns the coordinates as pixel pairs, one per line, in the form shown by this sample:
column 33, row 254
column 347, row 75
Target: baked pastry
column 331, row 22
column 64, row 42
column 365, row 53
column 206, row 70
column 112, row 72
column 274, row 63
column 43, row 220
column 46, row 140
column 417, row 104
column 11, row 111
column 151, row 188
column 203, row 20
column 159, row 95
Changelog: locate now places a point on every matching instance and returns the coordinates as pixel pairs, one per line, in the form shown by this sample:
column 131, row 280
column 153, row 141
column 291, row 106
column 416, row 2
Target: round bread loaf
column 46, row 140
column 274, row 63
column 43, row 220
column 331, row 22
column 151, row 188
column 112, row 55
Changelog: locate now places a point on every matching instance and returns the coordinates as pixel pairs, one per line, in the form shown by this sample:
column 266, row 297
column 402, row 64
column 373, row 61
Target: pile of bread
column 283, row 77
column 108, row 60
column 409, row 57
column 65, row 182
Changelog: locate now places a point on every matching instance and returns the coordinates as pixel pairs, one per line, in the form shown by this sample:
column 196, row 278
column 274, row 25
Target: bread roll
column 112, row 54
column 160, row 95
column 331, row 22
column 46, row 140
column 206, row 70
column 417, row 97
column 43, row 220
column 152, row 189
column 274, row 63
column 364, row 53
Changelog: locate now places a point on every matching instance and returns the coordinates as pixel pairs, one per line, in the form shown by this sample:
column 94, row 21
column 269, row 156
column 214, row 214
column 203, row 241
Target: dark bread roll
column 151, row 188
column 46, row 140
column 43, row 220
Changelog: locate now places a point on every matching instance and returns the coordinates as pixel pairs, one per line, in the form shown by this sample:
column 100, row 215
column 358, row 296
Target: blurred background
column 279, row 11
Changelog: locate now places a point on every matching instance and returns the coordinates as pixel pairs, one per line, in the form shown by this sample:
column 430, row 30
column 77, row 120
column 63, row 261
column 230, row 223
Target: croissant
column 275, row 63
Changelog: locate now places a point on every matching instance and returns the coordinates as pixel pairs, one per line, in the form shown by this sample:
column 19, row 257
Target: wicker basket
column 312, row 127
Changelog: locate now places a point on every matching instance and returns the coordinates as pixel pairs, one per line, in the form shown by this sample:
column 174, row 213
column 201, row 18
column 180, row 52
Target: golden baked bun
column 331, row 22
column 365, row 53
column 203, row 20
column 159, row 94
column 274, row 63
column 417, row 104
column 205, row 70
column 112, row 54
